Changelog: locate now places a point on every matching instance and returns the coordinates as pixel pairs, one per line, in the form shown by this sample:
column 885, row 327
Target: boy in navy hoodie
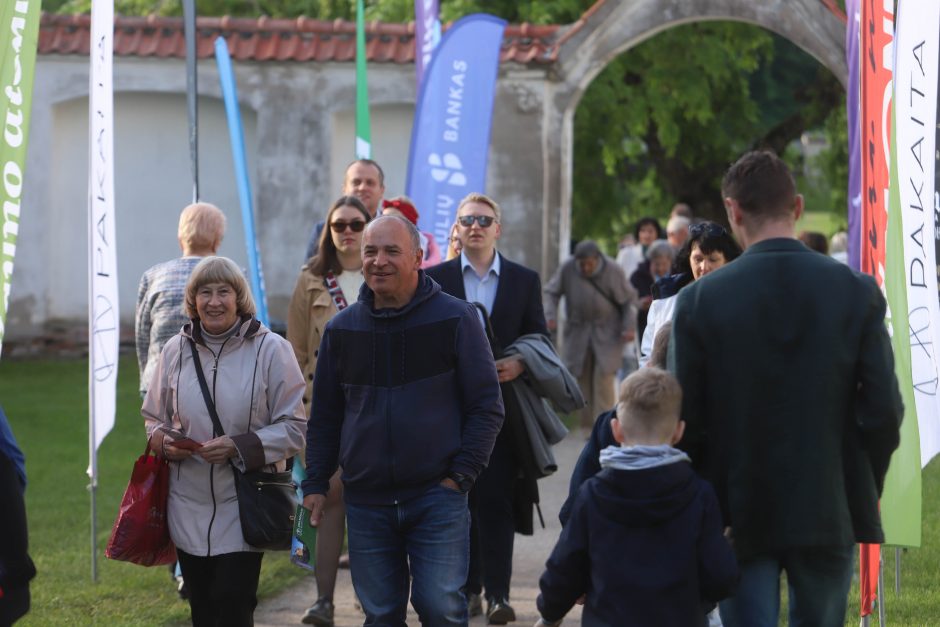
column 644, row 543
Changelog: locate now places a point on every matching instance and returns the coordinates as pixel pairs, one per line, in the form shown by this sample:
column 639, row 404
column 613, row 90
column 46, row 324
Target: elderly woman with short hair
column 159, row 314
column 659, row 258
column 257, row 389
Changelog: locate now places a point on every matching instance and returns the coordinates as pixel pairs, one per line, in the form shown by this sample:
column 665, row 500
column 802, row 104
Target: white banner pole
column 897, row 570
column 882, row 618
column 102, row 257
column 917, row 48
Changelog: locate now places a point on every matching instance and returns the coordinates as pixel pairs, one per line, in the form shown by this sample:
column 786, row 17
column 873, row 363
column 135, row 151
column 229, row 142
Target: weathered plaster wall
column 298, row 121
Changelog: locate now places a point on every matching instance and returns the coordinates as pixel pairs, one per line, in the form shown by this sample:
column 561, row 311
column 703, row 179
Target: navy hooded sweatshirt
column 645, row 546
column 401, row 397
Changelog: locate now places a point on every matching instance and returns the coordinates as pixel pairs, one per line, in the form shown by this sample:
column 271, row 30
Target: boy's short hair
column 649, row 403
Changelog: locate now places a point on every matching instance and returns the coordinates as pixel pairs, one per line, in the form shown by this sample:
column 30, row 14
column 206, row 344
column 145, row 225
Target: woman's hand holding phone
column 174, row 445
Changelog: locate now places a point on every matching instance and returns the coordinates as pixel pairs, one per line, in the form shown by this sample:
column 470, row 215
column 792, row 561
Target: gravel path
column 529, row 559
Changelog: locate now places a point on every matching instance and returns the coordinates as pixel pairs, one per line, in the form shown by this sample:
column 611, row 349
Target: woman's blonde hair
column 219, row 270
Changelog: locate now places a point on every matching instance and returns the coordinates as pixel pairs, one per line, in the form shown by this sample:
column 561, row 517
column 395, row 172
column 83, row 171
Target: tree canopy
column 664, row 120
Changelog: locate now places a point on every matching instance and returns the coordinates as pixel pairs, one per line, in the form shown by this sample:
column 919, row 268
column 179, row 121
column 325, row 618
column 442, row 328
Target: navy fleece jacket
column 401, row 397
column 645, row 546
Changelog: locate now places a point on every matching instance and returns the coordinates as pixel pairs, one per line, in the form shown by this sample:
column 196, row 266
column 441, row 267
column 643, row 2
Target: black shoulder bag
column 266, row 500
column 608, row 297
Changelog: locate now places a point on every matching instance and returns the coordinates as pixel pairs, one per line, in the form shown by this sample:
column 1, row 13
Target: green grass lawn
column 47, row 404
column 919, row 601
column 821, row 222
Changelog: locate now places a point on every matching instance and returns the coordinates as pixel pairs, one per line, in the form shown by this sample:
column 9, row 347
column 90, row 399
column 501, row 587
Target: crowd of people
column 749, row 434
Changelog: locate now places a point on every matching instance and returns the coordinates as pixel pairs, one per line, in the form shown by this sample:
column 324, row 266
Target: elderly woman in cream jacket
column 257, row 389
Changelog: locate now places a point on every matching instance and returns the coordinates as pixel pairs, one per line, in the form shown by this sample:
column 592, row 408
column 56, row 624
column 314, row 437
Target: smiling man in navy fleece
column 406, row 399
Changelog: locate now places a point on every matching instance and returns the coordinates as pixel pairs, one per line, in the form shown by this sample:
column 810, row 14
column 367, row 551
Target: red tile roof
column 266, row 39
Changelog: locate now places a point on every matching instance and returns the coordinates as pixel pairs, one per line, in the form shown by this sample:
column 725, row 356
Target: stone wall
column 298, row 121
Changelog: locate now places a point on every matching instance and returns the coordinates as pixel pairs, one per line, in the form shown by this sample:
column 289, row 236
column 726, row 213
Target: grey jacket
column 593, row 322
column 257, row 391
column 546, row 380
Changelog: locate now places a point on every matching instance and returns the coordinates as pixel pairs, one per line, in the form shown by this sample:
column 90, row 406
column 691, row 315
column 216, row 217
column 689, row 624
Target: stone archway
column 609, row 28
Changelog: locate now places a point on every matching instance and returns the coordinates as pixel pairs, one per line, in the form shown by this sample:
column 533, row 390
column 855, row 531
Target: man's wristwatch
column 464, row 482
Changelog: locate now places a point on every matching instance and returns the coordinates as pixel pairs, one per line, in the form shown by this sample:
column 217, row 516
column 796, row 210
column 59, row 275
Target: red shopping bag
column 141, row 533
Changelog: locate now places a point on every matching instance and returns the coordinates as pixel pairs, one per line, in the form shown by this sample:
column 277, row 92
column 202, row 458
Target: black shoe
column 474, row 604
column 320, row 613
column 499, row 612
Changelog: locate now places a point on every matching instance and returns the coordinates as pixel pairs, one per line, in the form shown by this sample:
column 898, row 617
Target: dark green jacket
column 789, row 395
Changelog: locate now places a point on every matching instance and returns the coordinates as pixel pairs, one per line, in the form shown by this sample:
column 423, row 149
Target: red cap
column 406, row 208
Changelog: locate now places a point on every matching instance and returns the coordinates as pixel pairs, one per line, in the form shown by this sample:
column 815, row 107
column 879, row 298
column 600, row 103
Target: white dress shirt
column 480, row 289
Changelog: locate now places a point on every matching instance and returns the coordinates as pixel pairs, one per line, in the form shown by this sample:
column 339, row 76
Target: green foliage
column 654, row 124
column 661, row 122
column 834, row 161
column 46, row 402
column 533, row 11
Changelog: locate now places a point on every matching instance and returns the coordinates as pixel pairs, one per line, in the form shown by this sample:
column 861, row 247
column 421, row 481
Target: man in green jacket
column 791, row 402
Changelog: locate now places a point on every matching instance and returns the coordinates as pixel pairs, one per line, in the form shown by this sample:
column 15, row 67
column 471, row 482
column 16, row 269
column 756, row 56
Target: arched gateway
column 295, row 79
column 611, row 27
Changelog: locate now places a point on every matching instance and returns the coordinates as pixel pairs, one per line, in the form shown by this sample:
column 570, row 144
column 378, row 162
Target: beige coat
column 257, row 393
column 311, row 307
column 593, row 322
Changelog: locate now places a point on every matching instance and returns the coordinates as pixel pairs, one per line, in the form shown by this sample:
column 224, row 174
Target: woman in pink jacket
column 257, row 389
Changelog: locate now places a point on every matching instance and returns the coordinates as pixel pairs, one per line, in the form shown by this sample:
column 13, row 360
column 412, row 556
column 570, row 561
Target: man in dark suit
column 511, row 295
column 790, row 400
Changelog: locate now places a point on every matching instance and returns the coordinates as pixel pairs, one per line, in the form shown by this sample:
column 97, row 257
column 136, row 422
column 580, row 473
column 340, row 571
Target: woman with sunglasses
column 328, row 283
column 708, row 248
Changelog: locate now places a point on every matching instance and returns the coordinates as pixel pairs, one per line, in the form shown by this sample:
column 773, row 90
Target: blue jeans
column 429, row 533
column 818, row 579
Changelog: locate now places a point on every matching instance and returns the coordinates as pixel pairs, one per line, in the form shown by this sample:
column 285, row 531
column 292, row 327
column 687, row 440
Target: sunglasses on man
column 483, row 221
column 356, row 225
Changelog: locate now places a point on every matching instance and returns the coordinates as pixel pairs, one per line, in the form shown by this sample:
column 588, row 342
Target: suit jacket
column 517, row 308
column 789, row 395
column 517, row 311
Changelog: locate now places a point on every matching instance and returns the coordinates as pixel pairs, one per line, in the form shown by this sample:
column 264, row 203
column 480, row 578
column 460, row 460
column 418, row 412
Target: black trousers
column 492, row 523
column 223, row 589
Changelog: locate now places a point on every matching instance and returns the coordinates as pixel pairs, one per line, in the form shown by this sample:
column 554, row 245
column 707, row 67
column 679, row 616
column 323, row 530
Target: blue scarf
column 640, row 457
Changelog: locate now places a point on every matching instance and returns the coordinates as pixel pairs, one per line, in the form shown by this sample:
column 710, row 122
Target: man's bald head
column 391, row 259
